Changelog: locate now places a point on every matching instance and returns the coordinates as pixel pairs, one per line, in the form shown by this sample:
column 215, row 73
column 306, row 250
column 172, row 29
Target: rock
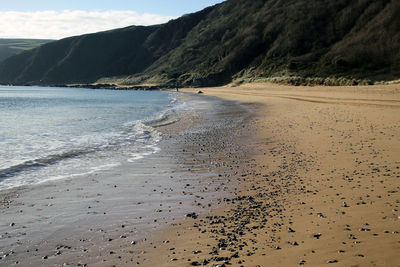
column 220, row 258
column 235, row 255
column 302, row 262
column 205, row 262
column 192, row 215
column 290, row 230
column 317, row 235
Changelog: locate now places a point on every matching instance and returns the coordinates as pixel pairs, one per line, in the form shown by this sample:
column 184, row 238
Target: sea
column 48, row 134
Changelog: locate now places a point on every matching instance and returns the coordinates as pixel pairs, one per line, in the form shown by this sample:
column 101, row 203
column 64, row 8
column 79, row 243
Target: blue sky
column 57, row 19
column 162, row 7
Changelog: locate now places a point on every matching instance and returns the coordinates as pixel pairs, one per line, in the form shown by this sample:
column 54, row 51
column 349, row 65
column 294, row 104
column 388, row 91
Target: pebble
column 317, row 236
column 302, row 262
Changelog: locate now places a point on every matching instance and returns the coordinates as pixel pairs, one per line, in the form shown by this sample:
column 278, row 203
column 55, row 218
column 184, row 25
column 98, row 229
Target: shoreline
column 311, row 174
column 102, row 218
column 322, row 185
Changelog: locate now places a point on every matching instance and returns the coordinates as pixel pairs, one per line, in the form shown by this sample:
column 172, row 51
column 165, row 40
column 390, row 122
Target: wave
column 85, row 154
column 143, row 134
column 168, row 116
column 38, row 163
column 137, row 137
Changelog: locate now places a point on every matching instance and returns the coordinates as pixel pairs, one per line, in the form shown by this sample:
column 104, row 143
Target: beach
column 270, row 175
column 102, row 218
column 319, row 184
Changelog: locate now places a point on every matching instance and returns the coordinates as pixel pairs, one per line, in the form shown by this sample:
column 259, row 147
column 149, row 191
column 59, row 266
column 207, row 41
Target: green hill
column 232, row 40
column 9, row 47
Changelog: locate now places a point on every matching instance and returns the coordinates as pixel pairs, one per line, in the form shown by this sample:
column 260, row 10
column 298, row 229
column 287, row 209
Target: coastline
column 318, row 186
column 104, row 217
column 290, row 184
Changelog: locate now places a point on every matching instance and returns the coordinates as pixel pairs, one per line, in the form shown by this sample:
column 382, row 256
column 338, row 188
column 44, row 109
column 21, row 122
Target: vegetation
column 294, row 41
column 9, row 47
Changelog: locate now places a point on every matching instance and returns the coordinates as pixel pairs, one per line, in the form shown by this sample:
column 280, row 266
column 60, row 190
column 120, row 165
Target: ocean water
column 54, row 133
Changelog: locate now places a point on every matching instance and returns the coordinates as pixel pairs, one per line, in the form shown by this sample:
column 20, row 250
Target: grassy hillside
column 237, row 39
column 9, row 47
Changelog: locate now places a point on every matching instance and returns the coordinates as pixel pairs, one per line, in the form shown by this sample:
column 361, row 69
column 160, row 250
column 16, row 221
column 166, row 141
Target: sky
column 56, row 19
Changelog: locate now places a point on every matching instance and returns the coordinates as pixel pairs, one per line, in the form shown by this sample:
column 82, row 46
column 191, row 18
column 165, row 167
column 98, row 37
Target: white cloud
column 56, row 25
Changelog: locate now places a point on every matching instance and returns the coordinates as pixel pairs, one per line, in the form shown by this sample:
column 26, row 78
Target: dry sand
column 316, row 181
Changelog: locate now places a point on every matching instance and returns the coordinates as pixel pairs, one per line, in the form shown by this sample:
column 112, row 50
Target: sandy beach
column 276, row 176
column 315, row 181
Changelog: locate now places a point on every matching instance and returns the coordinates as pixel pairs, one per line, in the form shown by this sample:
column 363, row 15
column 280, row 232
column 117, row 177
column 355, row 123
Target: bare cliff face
column 237, row 38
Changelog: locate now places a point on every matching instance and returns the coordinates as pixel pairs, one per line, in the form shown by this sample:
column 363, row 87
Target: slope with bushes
column 9, row 47
column 237, row 39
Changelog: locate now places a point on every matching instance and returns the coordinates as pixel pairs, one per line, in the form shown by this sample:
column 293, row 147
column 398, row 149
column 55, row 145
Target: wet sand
column 315, row 181
column 103, row 219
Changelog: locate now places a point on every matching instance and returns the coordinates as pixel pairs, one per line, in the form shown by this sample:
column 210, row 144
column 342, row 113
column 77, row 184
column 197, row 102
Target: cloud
column 56, row 25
